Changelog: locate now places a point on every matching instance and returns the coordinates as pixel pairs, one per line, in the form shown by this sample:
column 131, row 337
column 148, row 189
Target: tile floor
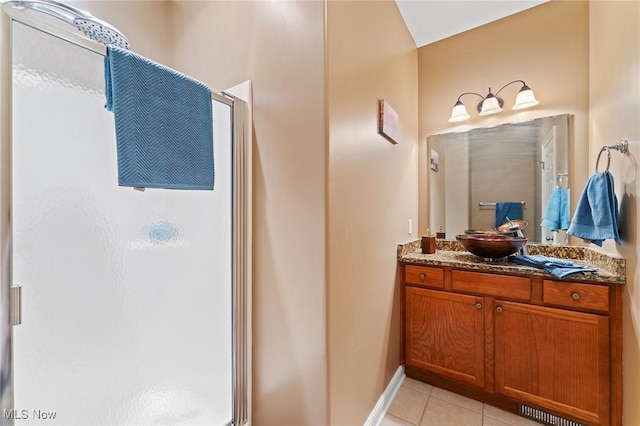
column 420, row 404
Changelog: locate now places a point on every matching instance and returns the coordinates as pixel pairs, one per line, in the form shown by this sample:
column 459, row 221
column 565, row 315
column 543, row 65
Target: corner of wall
column 614, row 108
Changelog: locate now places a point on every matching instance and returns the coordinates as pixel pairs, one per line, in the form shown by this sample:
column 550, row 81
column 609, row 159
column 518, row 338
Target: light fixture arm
column 459, row 102
column 469, row 93
column 514, row 81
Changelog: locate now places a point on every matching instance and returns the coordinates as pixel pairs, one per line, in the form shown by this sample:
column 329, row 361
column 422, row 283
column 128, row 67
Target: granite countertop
column 450, row 253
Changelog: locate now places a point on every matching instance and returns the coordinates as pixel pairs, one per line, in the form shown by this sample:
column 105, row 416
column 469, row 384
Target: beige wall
column 547, row 46
column 614, row 115
column 280, row 47
column 144, row 23
column 372, row 194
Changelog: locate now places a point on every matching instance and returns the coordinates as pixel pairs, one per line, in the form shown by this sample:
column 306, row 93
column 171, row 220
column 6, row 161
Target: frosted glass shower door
column 126, row 314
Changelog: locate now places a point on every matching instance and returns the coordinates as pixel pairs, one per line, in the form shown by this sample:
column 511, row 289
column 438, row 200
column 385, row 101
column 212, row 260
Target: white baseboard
column 383, row 404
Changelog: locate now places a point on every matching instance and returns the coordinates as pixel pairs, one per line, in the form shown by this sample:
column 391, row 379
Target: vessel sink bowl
column 486, row 232
column 491, row 246
column 510, row 228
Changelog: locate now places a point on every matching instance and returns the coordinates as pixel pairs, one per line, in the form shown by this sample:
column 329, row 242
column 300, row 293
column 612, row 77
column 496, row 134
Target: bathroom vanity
column 514, row 336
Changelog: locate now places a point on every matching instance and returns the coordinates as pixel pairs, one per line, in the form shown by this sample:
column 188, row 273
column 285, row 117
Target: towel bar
column 494, row 204
column 622, row 147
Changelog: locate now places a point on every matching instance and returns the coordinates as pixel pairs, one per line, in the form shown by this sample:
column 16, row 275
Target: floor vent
column 544, row 417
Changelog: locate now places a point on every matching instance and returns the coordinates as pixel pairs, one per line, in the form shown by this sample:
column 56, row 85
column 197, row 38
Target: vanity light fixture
column 492, row 104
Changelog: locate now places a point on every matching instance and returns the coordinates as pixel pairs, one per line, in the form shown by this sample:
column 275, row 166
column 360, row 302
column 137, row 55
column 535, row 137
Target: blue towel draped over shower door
column 164, row 123
column 596, row 216
column 511, row 210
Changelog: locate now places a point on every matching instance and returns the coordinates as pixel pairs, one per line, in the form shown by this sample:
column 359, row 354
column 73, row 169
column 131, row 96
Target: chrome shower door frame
column 241, row 221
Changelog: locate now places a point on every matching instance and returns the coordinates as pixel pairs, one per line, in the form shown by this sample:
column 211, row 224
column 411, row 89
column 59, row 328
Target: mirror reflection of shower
column 502, row 163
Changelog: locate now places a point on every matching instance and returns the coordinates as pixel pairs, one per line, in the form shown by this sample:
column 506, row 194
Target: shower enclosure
column 129, row 307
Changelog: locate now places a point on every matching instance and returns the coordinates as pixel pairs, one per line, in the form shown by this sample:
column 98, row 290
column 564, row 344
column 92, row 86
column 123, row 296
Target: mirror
column 472, row 173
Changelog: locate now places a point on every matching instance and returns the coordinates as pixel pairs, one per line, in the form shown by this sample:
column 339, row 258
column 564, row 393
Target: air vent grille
column 544, row 417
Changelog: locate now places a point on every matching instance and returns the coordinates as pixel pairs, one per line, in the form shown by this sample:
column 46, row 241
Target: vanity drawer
column 575, row 295
column 424, row 276
column 518, row 288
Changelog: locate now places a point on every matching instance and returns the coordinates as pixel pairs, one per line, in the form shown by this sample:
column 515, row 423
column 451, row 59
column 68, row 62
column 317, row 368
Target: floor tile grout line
column 425, row 406
column 460, row 405
column 417, row 390
column 401, row 416
column 430, row 395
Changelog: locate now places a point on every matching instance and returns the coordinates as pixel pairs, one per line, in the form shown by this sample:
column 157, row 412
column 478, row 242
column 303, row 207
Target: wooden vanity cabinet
column 554, row 359
column 445, row 334
column 509, row 340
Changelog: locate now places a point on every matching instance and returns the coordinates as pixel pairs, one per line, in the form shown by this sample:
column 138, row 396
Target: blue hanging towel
column 512, row 210
column 596, row 216
column 556, row 217
column 164, row 123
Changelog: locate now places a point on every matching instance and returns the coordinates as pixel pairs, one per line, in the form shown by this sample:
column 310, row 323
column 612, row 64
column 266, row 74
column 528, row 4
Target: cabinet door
column 445, row 334
column 554, row 359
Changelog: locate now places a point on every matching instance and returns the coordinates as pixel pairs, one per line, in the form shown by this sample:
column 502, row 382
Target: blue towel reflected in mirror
column 508, row 211
column 556, row 216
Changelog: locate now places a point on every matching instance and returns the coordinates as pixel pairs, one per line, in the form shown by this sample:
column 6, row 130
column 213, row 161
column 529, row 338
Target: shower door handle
column 15, row 305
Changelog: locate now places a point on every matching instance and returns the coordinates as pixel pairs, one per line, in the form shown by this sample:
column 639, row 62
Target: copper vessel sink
column 486, row 232
column 509, row 228
column 490, row 246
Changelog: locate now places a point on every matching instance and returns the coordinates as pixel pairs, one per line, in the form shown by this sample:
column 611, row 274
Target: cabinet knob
column 575, row 295
column 499, row 309
column 423, row 276
column 479, row 305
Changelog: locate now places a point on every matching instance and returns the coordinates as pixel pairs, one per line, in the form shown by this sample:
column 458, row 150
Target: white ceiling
column 432, row 20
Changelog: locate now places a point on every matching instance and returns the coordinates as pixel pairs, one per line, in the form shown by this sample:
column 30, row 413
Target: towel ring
column 622, row 146
column 604, row 148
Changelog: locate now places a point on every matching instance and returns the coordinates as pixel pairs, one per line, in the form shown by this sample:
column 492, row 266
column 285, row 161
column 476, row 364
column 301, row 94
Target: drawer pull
column 575, row 296
column 423, row 276
column 499, row 309
column 479, row 305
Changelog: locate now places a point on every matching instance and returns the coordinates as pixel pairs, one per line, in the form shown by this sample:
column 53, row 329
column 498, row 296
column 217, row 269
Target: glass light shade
column 459, row 113
column 490, row 106
column 525, row 98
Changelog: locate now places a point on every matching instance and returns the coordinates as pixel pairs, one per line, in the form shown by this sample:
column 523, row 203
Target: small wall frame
column 388, row 122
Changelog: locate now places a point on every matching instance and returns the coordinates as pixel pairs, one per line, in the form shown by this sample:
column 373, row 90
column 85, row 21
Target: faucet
column 517, row 232
column 523, row 250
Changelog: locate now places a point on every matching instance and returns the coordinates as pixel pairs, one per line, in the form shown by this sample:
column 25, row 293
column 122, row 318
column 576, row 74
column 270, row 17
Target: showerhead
column 89, row 25
column 101, row 32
